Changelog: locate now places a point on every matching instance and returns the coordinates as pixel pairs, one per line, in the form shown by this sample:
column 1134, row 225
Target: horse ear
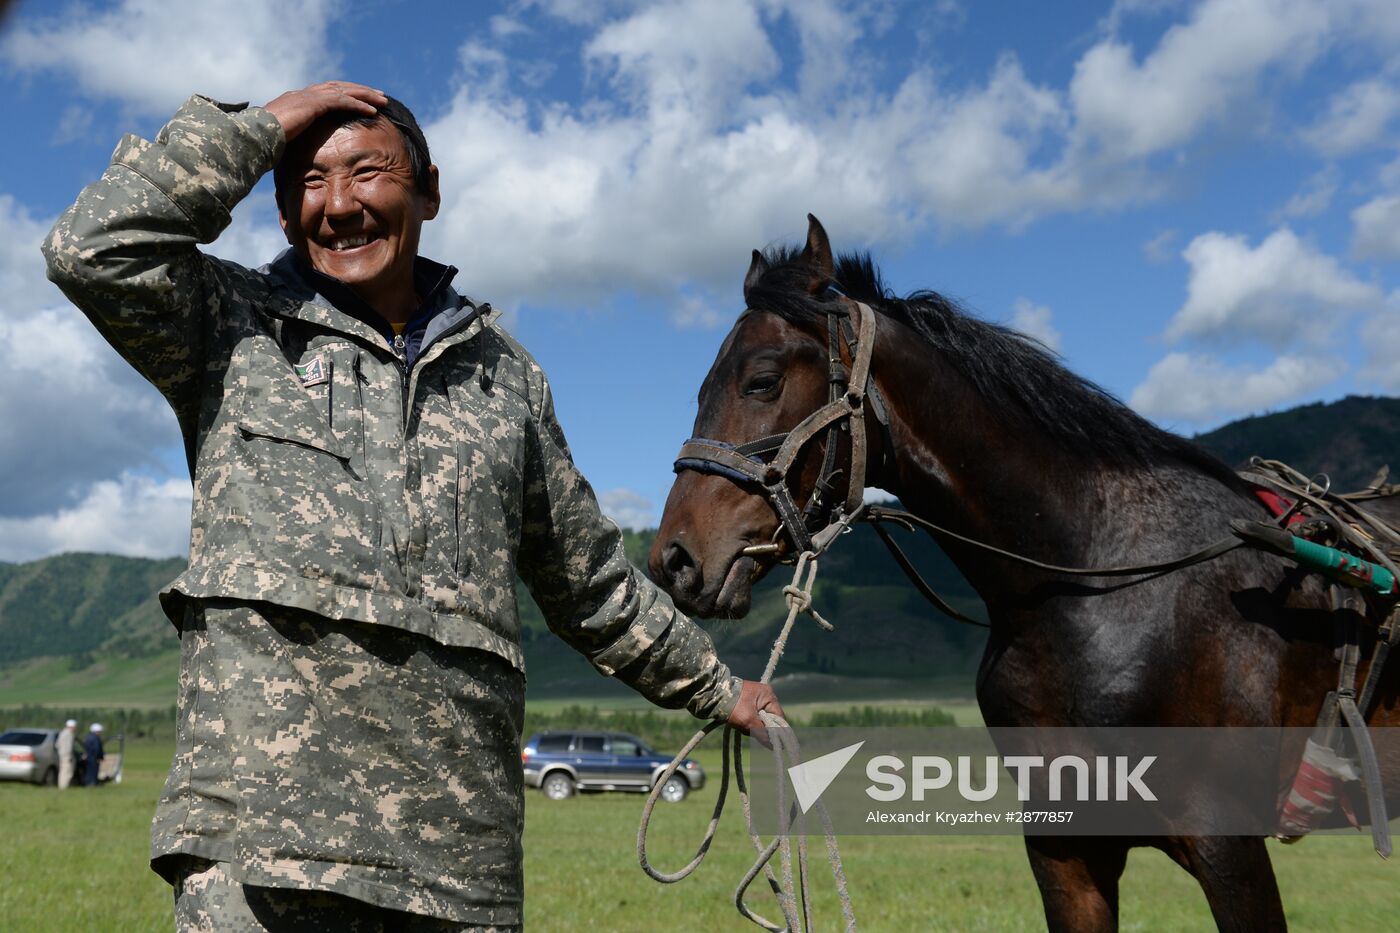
column 756, row 270
column 818, row 257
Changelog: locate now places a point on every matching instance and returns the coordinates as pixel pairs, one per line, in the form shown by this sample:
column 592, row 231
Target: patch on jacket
column 314, row 371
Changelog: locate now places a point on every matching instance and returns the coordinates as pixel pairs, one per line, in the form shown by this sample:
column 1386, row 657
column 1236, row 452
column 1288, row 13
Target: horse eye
column 763, row 382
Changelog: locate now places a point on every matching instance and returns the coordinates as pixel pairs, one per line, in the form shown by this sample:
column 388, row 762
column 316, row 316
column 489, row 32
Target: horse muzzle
column 682, row 574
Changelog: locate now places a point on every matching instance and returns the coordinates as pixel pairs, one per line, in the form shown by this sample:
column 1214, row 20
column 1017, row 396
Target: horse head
column 722, row 529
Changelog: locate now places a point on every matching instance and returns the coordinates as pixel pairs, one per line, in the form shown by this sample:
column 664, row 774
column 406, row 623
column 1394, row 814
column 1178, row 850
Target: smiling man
column 374, row 460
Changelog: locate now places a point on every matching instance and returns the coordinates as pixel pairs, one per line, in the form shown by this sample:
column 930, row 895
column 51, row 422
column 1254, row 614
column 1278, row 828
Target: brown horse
column 992, row 438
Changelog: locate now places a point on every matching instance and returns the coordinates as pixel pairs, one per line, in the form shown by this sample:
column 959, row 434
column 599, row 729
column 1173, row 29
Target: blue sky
column 1197, row 204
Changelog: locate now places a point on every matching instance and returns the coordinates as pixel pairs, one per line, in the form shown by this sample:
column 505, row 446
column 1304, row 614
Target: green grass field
column 77, row 860
column 113, row 681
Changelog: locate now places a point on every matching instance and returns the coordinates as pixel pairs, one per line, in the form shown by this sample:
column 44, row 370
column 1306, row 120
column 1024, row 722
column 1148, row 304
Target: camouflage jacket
column 329, row 475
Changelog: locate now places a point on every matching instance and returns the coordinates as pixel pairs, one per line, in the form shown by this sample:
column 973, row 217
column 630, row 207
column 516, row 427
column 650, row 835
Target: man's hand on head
column 755, row 698
column 297, row 110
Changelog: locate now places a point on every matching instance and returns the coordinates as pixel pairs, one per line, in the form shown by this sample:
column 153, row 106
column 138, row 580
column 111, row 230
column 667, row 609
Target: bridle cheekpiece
column 766, row 461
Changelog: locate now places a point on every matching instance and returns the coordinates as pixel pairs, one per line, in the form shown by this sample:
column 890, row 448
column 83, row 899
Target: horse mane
column 1014, row 372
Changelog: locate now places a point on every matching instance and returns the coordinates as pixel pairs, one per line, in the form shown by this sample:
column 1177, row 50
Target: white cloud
column 1356, row 117
column 1389, row 175
column 678, row 179
column 22, row 281
column 684, row 61
column 73, row 125
column 134, row 516
column 71, row 412
column 1280, row 291
column 1123, row 9
column 1161, row 248
column 577, row 12
column 578, row 206
column 152, row 54
column 829, row 32
column 254, row 237
column 701, row 136
column 1313, row 198
column 1380, row 335
column 629, row 509
column 692, row 311
column 1197, row 74
column 1376, row 228
column 503, row 27
column 971, row 156
column 1200, row 388
column 1033, row 319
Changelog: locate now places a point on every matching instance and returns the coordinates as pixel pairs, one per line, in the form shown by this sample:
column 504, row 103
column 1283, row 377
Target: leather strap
column 877, row 514
column 750, row 463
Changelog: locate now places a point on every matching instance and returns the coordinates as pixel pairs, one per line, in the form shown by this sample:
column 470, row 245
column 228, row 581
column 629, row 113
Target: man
column 64, row 746
column 373, row 460
column 92, row 754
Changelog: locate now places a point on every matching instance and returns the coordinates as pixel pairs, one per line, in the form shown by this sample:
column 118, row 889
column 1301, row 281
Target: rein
column 794, row 898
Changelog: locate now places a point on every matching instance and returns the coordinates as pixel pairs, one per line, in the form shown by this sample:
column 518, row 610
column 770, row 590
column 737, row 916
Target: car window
column 589, row 744
column 22, row 737
column 625, row 748
column 553, row 744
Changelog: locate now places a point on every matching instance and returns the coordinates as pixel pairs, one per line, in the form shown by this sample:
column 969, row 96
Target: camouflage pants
column 358, row 760
column 207, row 900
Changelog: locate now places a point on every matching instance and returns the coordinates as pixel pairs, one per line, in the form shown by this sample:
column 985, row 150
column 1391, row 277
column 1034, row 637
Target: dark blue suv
column 560, row 763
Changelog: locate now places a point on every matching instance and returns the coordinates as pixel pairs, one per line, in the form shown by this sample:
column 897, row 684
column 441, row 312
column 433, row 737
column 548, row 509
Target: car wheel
column 557, row 786
column 675, row 789
column 51, row 777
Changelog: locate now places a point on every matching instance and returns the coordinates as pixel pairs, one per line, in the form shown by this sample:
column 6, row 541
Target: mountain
column 86, row 627
column 884, row 629
column 1348, row 440
column 75, row 604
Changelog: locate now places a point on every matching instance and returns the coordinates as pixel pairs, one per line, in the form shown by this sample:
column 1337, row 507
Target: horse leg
column 1238, row 880
column 1078, row 880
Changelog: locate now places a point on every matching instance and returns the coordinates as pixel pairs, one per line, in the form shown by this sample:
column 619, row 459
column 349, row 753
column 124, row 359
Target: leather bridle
column 766, row 461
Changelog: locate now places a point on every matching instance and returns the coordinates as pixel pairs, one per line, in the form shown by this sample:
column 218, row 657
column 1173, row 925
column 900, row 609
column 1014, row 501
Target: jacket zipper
column 401, row 353
column 401, row 360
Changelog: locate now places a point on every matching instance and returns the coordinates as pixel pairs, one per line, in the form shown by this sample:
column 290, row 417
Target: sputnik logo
column 811, row 778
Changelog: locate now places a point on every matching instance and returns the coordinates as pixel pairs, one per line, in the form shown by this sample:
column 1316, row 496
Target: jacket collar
column 331, row 303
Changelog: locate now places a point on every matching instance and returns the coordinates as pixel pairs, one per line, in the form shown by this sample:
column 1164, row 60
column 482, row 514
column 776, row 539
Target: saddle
column 1352, row 539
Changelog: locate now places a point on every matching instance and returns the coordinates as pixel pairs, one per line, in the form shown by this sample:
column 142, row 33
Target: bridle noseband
column 765, row 462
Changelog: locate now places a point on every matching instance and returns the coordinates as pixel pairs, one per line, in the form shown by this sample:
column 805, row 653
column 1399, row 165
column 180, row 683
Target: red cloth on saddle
column 1317, row 787
column 1314, row 794
column 1276, row 504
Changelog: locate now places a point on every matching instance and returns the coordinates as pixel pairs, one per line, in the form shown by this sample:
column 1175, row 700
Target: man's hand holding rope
column 755, row 699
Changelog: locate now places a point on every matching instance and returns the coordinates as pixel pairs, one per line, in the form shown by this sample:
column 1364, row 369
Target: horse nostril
column 678, row 566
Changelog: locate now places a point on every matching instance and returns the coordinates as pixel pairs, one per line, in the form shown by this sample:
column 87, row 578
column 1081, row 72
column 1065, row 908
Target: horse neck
column 972, row 469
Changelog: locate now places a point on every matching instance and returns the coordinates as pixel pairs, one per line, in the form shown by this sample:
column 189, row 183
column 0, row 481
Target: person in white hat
column 64, row 746
column 92, row 749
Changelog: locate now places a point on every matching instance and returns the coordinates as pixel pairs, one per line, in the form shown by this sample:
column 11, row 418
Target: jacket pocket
column 290, row 401
column 252, row 428
column 292, row 484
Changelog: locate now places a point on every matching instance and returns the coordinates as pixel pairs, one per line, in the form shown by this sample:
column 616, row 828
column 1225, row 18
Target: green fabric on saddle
column 1346, row 568
column 1339, row 565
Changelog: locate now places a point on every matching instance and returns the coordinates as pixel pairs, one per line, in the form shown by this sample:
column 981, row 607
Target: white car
column 29, row 755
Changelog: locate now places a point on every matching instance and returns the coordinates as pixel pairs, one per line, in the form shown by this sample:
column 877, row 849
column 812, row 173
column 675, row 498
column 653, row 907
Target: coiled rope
column 792, row 823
